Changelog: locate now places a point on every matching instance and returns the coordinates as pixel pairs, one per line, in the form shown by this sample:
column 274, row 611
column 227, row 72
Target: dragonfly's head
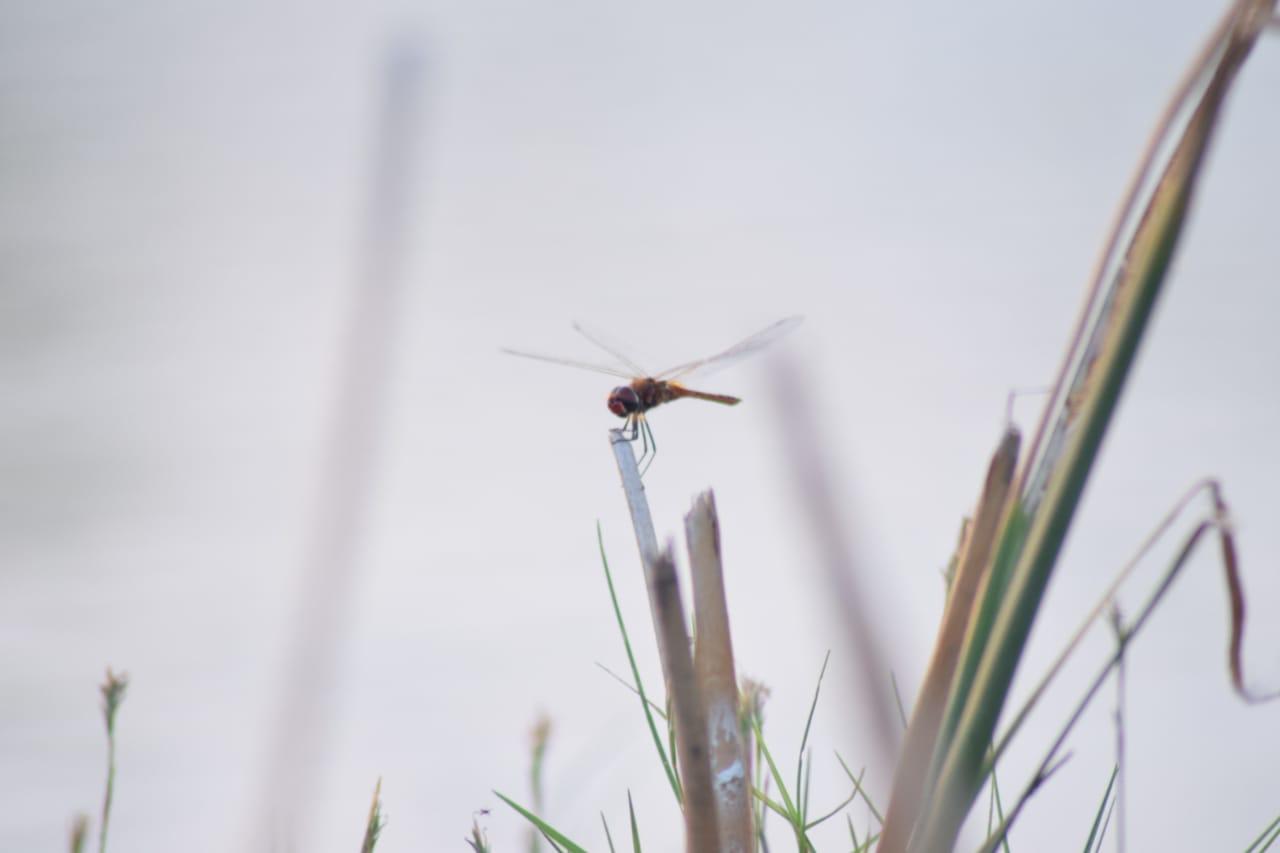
column 624, row 401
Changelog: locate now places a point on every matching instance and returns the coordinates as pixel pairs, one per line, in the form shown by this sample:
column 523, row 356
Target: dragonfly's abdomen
column 655, row 392
column 677, row 391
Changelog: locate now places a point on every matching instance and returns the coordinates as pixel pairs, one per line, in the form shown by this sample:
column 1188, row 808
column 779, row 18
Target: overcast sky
column 186, row 188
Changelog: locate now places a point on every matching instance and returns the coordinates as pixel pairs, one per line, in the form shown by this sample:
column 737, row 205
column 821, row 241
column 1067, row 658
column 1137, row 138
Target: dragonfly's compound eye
column 623, row 401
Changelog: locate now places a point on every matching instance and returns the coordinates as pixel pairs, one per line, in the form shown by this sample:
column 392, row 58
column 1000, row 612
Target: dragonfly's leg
column 643, row 433
column 651, row 443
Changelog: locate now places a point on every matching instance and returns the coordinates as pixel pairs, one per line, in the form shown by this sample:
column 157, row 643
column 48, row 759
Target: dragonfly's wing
column 613, row 349
column 741, row 349
column 597, row 368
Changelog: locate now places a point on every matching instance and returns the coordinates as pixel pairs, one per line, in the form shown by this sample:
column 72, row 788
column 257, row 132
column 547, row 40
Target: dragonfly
column 645, row 390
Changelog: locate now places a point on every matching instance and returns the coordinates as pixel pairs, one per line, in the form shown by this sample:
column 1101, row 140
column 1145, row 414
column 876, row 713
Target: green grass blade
column 1080, row 416
column 833, row 812
column 808, row 724
column 771, row 804
column 635, row 826
column 803, row 798
column 1012, row 538
column 857, row 784
column 789, row 809
column 552, row 834
column 607, row 836
column 635, row 673
column 376, row 823
column 113, row 690
column 538, row 754
column 79, row 833
column 653, row 706
column 1094, row 834
column 1265, row 838
column 897, row 700
column 999, row 806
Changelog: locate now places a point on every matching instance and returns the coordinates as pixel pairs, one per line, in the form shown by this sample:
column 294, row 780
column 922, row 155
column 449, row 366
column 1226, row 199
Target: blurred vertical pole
column 298, row 747
column 848, row 578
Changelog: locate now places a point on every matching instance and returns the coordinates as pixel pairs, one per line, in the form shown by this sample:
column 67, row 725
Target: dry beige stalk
column 701, row 831
column 717, row 679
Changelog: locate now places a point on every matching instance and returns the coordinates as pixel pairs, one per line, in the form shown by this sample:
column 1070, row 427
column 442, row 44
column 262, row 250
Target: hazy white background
column 927, row 182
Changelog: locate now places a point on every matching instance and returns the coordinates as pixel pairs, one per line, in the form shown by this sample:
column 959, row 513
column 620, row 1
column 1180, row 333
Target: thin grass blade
column 1095, row 830
column 635, row 673
column 553, row 835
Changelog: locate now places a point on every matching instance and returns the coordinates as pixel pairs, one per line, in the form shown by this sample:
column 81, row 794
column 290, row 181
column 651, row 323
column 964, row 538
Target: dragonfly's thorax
column 641, row 396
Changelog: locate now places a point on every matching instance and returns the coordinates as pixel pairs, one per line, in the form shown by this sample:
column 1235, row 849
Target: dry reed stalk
column 717, row 678
column 701, row 830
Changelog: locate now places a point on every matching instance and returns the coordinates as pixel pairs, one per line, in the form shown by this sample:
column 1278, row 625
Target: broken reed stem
column 717, row 679
column 926, row 717
column 701, row 830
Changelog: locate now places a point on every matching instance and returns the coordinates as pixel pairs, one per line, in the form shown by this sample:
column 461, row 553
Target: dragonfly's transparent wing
column 583, row 365
column 610, row 347
column 742, row 349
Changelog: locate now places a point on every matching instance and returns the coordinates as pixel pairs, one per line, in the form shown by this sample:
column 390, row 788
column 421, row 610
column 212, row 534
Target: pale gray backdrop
column 184, row 187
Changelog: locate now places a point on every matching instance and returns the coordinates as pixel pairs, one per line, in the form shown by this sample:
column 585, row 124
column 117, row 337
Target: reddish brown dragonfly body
column 645, row 390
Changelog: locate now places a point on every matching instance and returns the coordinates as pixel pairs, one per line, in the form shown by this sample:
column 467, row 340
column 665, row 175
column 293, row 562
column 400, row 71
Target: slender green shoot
column 996, row 810
column 653, row 706
column 479, row 841
column 540, row 736
column 113, row 690
column 835, row 811
column 866, row 844
column 857, row 785
column 608, row 836
column 376, row 823
column 79, row 833
column 751, row 716
column 787, row 809
column 635, row 825
column 808, row 724
column 794, row 810
column 1266, row 838
column 803, row 795
column 635, row 673
column 1094, row 841
column 897, row 700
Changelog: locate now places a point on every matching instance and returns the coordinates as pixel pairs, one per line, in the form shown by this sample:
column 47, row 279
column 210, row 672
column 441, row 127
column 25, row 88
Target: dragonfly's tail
column 723, row 399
